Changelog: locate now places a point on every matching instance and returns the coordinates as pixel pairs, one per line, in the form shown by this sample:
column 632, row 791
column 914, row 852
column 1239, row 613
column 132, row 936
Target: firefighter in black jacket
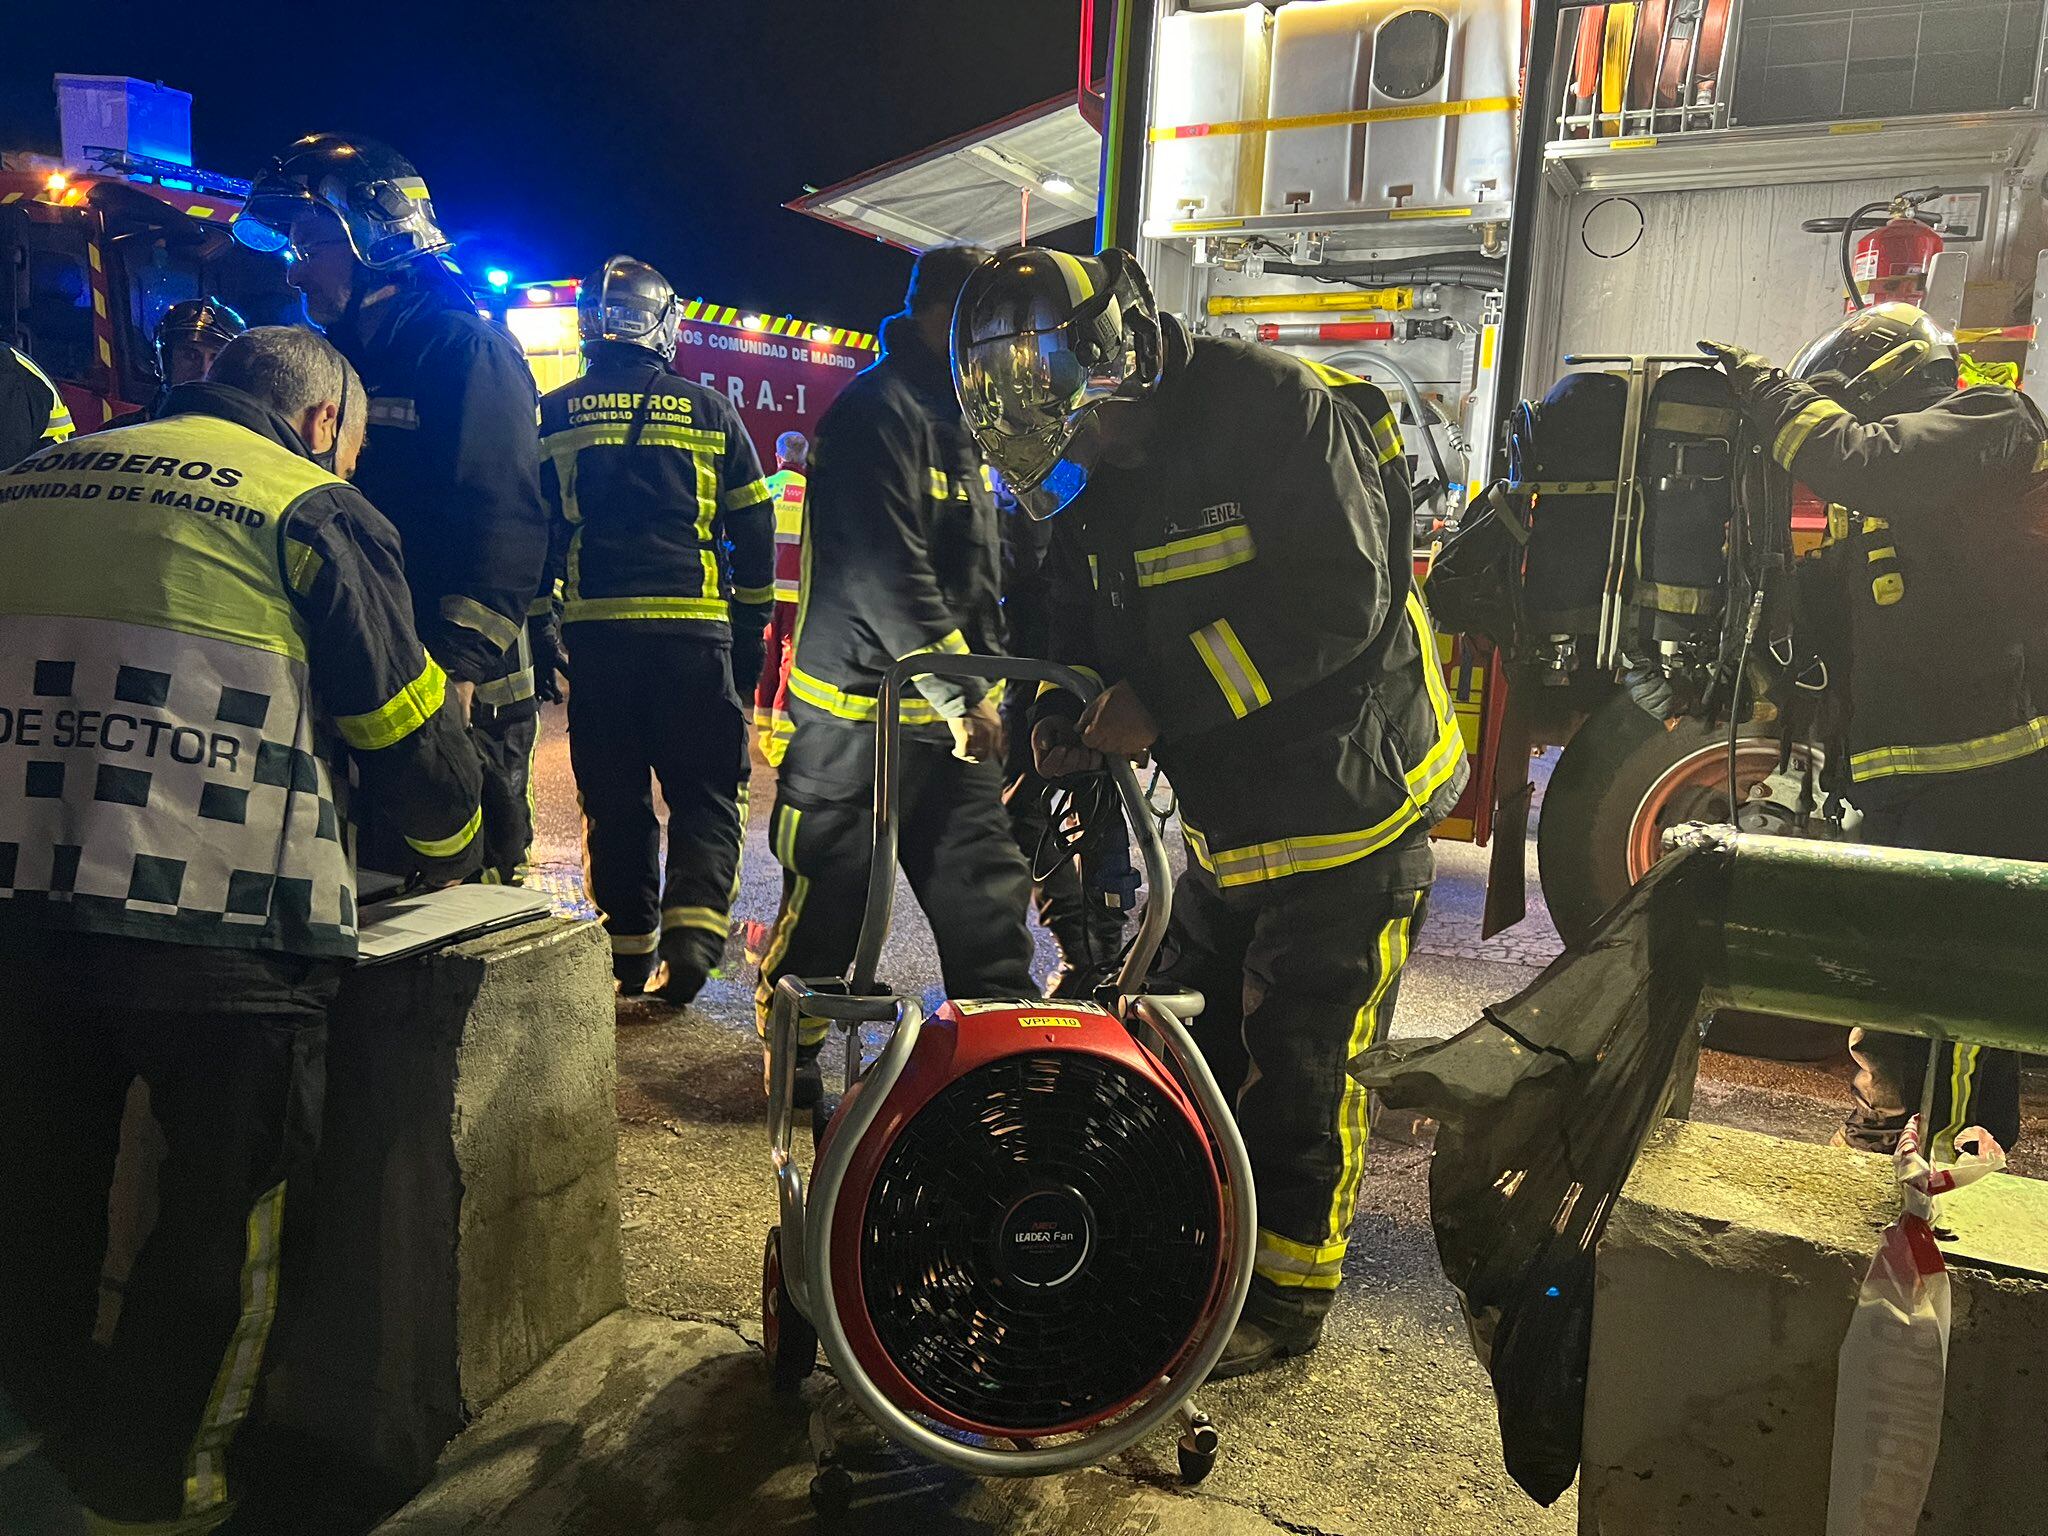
column 452, row 458
column 204, row 629
column 901, row 555
column 1231, row 569
column 1938, row 554
column 188, row 338
column 666, row 539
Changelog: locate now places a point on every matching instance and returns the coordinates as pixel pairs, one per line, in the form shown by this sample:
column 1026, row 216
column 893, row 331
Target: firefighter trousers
column 141, row 1429
column 648, row 704
column 505, row 739
column 955, row 848
column 2001, row 813
column 1296, row 983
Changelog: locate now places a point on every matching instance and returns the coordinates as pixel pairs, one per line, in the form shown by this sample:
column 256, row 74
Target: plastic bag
column 1542, row 1107
column 1893, row 1372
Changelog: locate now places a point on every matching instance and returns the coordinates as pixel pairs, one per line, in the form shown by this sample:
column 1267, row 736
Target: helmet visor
column 1025, row 393
column 265, row 222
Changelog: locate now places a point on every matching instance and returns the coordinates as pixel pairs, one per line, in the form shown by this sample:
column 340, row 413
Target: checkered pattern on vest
column 167, row 786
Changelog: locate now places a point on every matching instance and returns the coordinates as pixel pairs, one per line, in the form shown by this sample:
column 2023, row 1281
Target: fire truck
column 1473, row 202
column 102, row 238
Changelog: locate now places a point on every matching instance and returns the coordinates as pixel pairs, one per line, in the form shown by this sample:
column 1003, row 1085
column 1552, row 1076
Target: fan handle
column 874, row 928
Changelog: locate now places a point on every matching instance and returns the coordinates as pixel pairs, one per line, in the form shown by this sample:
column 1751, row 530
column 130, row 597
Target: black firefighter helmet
column 1867, row 361
column 195, row 322
column 1040, row 340
column 380, row 200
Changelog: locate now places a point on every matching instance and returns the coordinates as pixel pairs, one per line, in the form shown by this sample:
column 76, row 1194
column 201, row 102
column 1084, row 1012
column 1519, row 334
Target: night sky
column 553, row 135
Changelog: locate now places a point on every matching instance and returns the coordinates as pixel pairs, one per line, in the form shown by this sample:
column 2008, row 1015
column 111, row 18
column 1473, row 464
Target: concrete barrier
column 1726, row 1281
column 465, row 1222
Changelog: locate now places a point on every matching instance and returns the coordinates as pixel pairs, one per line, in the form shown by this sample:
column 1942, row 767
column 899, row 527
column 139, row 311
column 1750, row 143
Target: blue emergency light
column 499, row 279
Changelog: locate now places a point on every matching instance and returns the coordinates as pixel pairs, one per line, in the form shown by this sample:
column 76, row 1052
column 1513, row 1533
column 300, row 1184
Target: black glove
column 749, row 651
column 550, row 662
column 1746, row 370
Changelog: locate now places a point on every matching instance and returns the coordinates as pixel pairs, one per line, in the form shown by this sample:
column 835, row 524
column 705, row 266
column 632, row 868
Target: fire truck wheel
column 1623, row 778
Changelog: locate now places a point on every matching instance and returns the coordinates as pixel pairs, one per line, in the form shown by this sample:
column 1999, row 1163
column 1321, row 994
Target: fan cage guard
column 1042, row 1242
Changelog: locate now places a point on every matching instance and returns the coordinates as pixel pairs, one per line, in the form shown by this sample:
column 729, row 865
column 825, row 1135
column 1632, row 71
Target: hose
column 1417, row 406
column 1443, row 269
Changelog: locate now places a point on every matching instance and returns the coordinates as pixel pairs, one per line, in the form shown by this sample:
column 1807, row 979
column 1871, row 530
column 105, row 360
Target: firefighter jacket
column 658, row 509
column 32, row 409
column 451, row 460
column 901, row 555
column 1251, row 585
column 786, row 488
column 1939, row 538
column 191, row 612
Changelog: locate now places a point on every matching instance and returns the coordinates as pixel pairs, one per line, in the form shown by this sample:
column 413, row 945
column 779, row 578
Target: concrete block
column 1726, row 1281
column 465, row 1221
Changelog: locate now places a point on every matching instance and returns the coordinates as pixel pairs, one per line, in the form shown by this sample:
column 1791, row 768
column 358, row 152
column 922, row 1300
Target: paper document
column 429, row 919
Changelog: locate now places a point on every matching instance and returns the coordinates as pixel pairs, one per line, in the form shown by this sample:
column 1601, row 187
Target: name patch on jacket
column 395, row 411
column 1225, row 514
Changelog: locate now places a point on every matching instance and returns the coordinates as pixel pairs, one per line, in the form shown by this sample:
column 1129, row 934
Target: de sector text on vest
column 93, row 730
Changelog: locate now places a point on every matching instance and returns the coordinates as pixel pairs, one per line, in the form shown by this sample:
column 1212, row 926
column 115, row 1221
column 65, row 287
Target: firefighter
column 188, row 338
column 189, row 608
column 901, row 556
column 32, row 409
column 771, row 699
column 1230, row 568
column 667, row 537
column 452, row 457
column 1938, row 556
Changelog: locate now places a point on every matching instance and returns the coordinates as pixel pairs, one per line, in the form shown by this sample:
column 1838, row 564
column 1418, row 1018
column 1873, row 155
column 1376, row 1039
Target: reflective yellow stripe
column 1229, row 663
column 59, row 425
column 1953, row 757
column 1386, row 438
column 753, row 493
column 301, row 566
column 709, row 919
column 501, row 692
column 1353, row 1112
column 206, row 1483
column 584, row 609
column 1336, row 378
column 754, row 596
column 615, row 434
column 635, row 943
column 952, row 643
column 1290, row 1265
column 1300, row 855
column 1962, row 1072
column 1793, row 435
column 1436, row 769
column 914, row 709
column 390, row 723
column 1203, row 554
column 808, row 1031
column 1888, row 552
column 787, row 590
column 448, row 847
column 473, row 615
column 938, row 485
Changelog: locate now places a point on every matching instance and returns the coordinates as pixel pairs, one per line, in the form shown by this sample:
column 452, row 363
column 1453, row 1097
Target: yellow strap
column 1203, row 554
column 710, row 610
column 473, row 615
column 708, row 919
column 753, row 493
column 1953, row 757
column 391, row 722
column 1422, row 109
column 449, row 846
column 1793, row 435
column 1231, row 665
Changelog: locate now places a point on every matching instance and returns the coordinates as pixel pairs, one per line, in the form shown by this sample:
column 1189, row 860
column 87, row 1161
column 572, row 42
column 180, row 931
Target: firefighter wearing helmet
column 664, row 537
column 451, row 458
column 188, row 338
column 1936, row 575
column 1233, row 557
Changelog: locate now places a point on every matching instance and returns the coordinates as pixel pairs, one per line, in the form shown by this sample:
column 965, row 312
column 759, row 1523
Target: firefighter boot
column 1268, row 1332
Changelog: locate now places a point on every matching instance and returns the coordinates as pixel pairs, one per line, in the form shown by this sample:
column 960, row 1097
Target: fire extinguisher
column 1891, row 260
